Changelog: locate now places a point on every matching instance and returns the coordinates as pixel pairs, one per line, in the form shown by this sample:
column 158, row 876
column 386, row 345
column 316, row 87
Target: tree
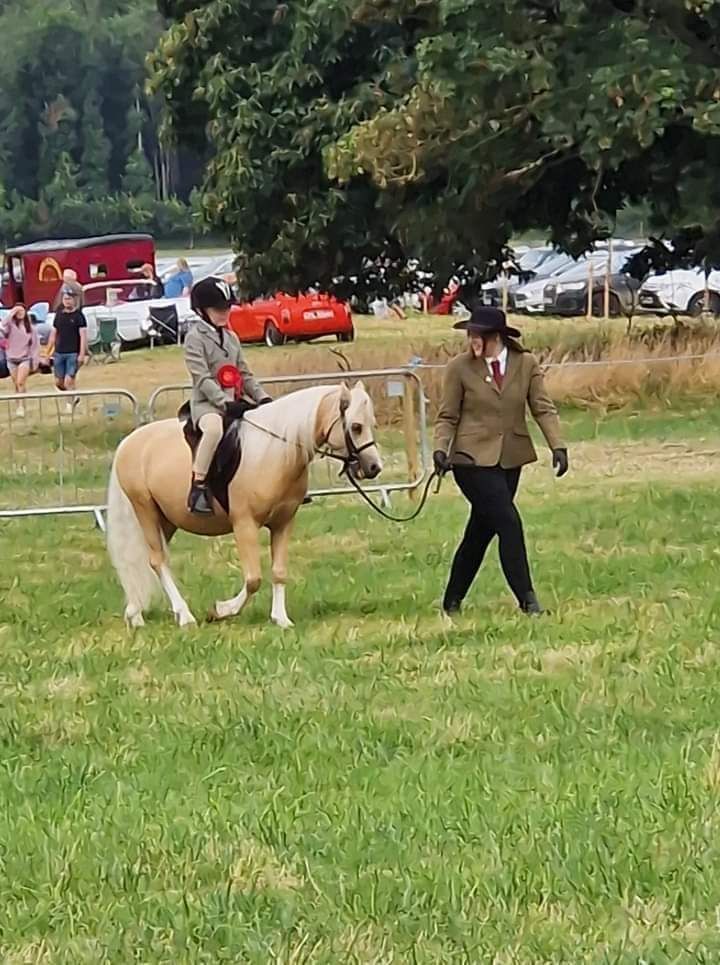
column 58, row 138
column 137, row 180
column 351, row 135
column 96, row 148
column 64, row 184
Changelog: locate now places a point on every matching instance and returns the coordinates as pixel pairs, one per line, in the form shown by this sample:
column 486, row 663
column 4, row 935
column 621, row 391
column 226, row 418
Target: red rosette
column 230, row 377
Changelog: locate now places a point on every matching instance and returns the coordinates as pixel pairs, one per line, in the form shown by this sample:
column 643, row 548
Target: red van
column 33, row 273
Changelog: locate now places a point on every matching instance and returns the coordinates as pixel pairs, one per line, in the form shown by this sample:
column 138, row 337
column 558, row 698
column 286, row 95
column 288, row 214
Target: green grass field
column 377, row 786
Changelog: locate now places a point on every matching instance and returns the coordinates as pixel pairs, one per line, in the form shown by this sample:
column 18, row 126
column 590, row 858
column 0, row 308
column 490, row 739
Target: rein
column 398, row 519
column 352, row 460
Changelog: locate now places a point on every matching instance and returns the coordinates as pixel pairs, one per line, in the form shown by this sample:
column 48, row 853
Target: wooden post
column 590, row 290
column 504, row 291
column 706, row 296
column 410, row 432
column 608, row 272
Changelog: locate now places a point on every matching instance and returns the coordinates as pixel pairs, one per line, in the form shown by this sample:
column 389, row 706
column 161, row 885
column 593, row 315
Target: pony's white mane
column 292, row 417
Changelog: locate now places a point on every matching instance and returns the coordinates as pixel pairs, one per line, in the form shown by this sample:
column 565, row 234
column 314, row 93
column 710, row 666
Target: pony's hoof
column 134, row 620
column 285, row 624
column 185, row 619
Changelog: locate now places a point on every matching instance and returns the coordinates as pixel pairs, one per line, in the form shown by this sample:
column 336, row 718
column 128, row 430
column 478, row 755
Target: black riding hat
column 485, row 320
column 211, row 292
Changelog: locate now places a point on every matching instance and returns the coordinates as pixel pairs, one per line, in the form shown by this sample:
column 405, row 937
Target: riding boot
column 199, row 500
column 529, row 604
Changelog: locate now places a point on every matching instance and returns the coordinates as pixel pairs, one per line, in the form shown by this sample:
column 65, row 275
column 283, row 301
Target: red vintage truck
column 33, row 273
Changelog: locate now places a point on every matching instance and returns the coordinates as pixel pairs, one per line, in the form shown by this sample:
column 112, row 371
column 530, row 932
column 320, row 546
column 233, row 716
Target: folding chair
column 106, row 344
column 165, row 326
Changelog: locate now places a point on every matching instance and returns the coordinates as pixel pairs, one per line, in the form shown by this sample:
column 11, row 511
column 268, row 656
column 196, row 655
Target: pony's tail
column 128, row 550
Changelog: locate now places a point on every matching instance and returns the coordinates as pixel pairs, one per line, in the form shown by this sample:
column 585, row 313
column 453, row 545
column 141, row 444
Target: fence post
column 608, row 270
column 409, row 431
column 590, row 290
column 504, row 291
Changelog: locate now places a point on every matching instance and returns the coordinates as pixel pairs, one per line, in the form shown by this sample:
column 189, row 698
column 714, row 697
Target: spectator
column 156, row 288
column 69, row 281
column 181, row 282
column 22, row 350
column 68, row 343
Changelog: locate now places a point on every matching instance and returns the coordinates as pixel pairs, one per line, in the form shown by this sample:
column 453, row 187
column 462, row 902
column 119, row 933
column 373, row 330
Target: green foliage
column 78, row 138
column 346, row 131
column 64, row 185
column 96, row 148
column 137, row 180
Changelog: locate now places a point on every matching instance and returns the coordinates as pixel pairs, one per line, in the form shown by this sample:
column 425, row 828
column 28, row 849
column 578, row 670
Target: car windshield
column 532, row 259
column 579, row 272
column 555, row 264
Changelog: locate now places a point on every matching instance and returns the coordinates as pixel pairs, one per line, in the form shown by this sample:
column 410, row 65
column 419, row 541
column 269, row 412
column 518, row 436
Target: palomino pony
column 151, row 474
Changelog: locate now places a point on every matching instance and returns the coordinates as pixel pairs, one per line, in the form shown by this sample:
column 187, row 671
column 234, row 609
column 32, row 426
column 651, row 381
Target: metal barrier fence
column 401, row 410
column 56, row 449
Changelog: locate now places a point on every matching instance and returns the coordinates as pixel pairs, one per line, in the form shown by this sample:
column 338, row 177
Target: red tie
column 497, row 374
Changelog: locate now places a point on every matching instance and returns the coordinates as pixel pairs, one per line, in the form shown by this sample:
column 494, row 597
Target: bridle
column 351, row 459
column 351, row 462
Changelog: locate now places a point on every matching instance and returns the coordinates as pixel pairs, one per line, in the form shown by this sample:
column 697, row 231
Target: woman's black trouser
column 490, row 490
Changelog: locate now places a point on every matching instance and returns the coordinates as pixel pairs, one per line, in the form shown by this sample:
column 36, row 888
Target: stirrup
column 199, row 502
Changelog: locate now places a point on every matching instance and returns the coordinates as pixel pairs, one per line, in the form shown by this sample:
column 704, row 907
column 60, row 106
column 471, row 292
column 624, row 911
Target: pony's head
column 348, row 430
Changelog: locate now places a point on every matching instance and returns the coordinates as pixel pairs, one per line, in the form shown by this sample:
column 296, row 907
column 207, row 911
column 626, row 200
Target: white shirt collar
column 502, row 359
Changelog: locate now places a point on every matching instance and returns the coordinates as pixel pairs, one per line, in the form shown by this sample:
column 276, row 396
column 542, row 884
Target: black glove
column 265, row 400
column 560, row 461
column 441, row 461
column 237, row 409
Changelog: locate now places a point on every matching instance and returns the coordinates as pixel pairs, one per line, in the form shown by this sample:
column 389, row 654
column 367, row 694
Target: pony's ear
column 345, row 397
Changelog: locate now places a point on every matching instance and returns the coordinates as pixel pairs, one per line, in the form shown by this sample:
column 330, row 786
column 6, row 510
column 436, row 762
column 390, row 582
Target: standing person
column 68, row 344
column 69, row 280
column 210, row 346
column 482, row 436
column 22, row 350
column 149, row 273
column 181, row 282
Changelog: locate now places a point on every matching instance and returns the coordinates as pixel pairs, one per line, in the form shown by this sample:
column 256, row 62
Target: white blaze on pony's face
column 358, row 421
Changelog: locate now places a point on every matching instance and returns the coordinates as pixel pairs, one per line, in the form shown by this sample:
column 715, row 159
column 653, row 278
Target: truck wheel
column 346, row 336
column 273, row 336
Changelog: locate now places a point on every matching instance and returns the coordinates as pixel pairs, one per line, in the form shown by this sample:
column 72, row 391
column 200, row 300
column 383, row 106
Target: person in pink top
column 22, row 349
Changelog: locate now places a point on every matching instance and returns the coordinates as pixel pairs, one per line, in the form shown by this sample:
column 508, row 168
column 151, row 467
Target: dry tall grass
column 560, row 344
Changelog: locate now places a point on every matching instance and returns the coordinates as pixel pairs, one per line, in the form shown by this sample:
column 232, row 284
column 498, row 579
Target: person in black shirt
column 68, row 343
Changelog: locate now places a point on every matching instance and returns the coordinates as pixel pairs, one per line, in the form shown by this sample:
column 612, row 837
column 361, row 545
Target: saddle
column 227, row 455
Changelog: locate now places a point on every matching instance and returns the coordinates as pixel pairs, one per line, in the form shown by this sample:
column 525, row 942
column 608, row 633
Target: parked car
column 530, row 265
column 140, row 317
column 567, row 293
column 680, row 291
column 287, row 318
column 528, row 297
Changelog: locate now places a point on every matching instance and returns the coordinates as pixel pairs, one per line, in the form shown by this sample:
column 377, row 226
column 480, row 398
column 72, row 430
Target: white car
column 681, row 290
column 139, row 316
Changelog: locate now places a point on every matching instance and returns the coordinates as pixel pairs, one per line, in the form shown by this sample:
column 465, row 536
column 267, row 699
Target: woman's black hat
column 485, row 320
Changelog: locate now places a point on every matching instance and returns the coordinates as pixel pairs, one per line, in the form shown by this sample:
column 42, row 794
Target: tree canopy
column 346, row 133
column 74, row 115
